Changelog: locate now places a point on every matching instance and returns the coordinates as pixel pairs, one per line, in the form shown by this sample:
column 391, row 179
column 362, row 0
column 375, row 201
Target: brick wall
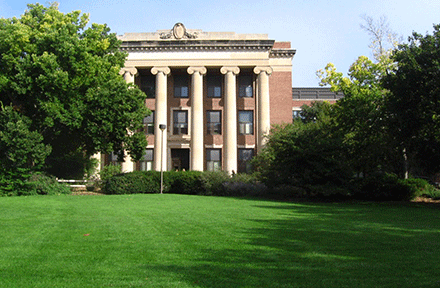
column 280, row 97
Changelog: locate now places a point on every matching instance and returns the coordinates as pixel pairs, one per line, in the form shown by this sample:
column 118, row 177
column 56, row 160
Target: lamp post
column 162, row 127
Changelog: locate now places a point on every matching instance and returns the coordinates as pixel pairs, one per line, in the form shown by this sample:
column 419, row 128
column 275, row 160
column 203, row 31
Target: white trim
column 213, row 146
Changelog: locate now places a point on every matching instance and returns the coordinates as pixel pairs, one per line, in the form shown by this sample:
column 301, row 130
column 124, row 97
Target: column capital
column 132, row 70
column 259, row 69
column 164, row 69
column 196, row 69
column 226, row 69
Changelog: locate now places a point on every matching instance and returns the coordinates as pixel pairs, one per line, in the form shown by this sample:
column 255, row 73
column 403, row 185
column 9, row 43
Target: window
column 214, row 83
column 181, row 86
column 180, row 122
column 146, row 162
column 213, row 160
column 149, row 123
column 245, row 88
column 296, row 114
column 214, row 122
column 246, row 122
column 147, row 83
column 113, row 159
column 244, row 160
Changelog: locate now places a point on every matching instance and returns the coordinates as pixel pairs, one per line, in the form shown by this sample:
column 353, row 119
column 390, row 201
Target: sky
column 321, row 31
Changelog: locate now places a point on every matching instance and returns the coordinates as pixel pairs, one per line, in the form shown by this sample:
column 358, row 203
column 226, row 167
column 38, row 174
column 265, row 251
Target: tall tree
column 414, row 104
column 360, row 116
column 63, row 75
column 383, row 39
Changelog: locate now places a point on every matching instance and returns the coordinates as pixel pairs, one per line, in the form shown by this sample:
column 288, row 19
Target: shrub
column 243, row 184
column 423, row 188
column 213, row 182
column 133, row 183
column 284, row 192
column 109, row 171
column 383, row 187
column 42, row 184
column 184, row 182
column 13, row 181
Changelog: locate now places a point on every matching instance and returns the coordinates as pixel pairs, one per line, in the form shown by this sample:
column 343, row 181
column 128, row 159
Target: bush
column 284, row 192
column 133, row 183
column 243, row 184
column 423, row 188
column 213, row 182
column 383, row 187
column 184, row 182
column 13, row 181
column 109, row 171
column 41, row 184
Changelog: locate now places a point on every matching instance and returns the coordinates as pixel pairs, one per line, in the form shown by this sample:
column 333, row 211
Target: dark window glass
column 214, row 122
column 181, row 89
column 180, row 122
column 214, row 83
column 213, row 160
column 245, row 88
column 246, row 122
column 244, row 160
column 147, row 83
column 146, row 162
column 149, row 123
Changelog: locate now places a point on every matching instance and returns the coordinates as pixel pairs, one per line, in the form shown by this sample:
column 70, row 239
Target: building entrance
column 180, row 159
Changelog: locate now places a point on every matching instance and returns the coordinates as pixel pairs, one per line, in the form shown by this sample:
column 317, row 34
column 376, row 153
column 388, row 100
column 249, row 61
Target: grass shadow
column 325, row 245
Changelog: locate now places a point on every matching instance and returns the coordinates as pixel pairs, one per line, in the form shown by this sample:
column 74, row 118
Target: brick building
column 215, row 94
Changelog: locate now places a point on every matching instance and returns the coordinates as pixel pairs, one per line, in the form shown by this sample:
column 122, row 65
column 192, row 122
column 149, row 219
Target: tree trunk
column 405, row 163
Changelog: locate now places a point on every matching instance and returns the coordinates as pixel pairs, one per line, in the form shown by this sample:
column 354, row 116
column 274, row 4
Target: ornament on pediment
column 178, row 32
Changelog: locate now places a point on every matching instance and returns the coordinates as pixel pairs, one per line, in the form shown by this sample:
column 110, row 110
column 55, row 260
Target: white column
column 230, row 137
column 129, row 73
column 98, row 158
column 160, row 117
column 197, row 117
column 263, row 117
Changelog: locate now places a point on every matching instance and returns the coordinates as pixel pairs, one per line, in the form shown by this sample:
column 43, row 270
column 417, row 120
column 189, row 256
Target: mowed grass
column 195, row 241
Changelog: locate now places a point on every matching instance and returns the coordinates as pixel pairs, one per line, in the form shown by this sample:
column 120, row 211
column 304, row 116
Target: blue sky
column 321, row 31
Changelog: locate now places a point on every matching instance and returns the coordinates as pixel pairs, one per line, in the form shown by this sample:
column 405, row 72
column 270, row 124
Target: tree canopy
column 63, row 74
column 414, row 101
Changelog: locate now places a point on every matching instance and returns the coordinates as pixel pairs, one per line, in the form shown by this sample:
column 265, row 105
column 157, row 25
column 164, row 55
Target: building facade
column 216, row 95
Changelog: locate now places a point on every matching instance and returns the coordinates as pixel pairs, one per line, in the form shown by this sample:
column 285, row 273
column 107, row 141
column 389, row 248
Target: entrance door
column 180, row 159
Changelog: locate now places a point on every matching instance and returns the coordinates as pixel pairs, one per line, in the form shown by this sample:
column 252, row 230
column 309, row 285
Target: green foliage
column 423, row 188
column 413, row 101
column 21, row 183
column 359, row 117
column 213, row 182
column 136, row 182
column 184, row 182
column 64, row 74
column 19, row 146
column 383, row 187
column 41, row 184
column 21, row 151
column 109, row 171
column 302, row 154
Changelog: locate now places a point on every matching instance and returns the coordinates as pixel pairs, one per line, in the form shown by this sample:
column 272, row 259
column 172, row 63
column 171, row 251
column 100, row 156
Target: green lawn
column 194, row 241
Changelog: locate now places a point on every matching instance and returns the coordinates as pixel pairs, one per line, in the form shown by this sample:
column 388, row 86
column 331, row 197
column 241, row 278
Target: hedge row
column 384, row 187
column 32, row 184
column 184, row 182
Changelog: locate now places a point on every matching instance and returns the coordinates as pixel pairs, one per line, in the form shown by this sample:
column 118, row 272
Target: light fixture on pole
column 162, row 127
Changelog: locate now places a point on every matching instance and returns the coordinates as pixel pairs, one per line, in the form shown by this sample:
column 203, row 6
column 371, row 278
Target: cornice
column 196, row 45
column 282, row 53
